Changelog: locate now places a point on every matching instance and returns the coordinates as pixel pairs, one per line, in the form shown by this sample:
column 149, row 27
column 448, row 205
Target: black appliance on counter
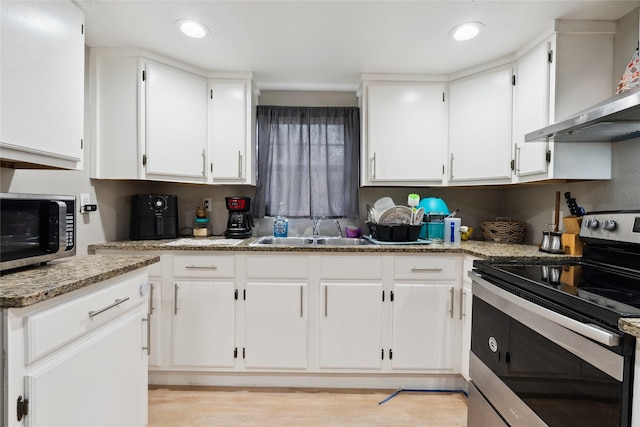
column 153, row 217
column 36, row 228
column 240, row 221
column 545, row 343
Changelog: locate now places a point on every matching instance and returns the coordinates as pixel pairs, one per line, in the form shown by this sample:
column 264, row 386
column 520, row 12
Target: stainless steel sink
column 342, row 241
column 284, row 241
column 309, row 241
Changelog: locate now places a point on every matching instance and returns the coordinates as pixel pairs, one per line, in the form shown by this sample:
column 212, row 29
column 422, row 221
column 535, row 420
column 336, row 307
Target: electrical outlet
column 206, row 203
column 85, row 199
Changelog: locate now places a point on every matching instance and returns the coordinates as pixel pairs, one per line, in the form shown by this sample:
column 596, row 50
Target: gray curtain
column 308, row 159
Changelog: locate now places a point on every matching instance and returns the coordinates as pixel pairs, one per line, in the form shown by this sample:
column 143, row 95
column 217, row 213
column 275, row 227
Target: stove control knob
column 609, row 225
column 593, row 224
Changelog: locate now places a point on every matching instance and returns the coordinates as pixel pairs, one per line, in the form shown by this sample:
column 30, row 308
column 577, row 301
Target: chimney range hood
column 616, row 119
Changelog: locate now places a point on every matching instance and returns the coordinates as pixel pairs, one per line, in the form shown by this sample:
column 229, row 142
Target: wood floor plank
column 208, row 406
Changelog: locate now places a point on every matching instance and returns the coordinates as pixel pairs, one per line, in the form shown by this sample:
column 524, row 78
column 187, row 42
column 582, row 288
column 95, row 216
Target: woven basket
column 503, row 230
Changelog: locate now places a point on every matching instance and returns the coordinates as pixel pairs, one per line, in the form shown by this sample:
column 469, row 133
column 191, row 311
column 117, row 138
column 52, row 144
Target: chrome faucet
column 316, row 225
column 339, row 228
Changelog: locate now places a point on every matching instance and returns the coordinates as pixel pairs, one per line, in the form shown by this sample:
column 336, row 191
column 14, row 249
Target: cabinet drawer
column 278, row 267
column 427, row 268
column 204, row 266
column 351, row 267
column 51, row 328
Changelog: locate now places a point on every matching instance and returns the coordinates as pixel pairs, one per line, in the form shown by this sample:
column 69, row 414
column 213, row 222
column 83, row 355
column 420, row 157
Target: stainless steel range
column 545, row 345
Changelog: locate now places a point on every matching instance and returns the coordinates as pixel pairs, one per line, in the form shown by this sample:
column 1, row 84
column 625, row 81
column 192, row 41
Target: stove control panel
column 617, row 226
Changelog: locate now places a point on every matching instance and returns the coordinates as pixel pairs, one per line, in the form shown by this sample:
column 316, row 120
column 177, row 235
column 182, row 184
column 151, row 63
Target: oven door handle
column 593, row 332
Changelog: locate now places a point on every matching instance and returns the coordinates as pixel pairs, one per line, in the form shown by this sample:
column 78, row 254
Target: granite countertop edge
column 29, row 286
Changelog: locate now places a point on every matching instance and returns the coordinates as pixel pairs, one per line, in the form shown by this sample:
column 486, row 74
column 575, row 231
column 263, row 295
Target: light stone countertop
column 630, row 326
column 34, row 284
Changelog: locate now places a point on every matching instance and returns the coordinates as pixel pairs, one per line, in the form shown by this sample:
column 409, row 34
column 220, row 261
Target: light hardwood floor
column 207, row 406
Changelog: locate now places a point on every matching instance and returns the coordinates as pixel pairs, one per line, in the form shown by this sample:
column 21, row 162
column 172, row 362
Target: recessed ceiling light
column 192, row 28
column 466, row 31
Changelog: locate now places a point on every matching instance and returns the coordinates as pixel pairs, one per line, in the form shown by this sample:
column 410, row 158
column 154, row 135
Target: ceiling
column 326, row 45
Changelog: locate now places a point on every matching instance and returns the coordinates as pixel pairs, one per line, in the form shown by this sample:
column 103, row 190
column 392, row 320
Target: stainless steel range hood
column 616, row 119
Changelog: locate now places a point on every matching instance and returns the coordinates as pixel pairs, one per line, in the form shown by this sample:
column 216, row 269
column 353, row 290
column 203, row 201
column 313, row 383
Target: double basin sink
column 310, row 241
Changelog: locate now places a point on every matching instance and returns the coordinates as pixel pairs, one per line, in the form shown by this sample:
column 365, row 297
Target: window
column 308, row 159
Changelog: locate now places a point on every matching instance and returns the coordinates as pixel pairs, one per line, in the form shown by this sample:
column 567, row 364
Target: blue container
column 432, row 204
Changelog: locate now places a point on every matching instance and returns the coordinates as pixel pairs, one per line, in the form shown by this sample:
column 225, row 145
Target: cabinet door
column 228, row 130
column 406, row 132
column 423, row 327
column 480, row 127
column 102, row 381
column 203, row 324
column 176, row 123
column 351, row 326
column 42, row 69
column 531, row 111
column 276, row 325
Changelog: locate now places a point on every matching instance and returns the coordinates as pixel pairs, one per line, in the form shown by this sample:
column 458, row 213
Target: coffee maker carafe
column 240, row 220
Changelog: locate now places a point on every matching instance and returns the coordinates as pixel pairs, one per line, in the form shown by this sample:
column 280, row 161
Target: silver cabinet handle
column 301, row 301
column 326, row 294
column 201, row 267
column 175, row 298
column 451, row 309
column 148, row 347
column 425, row 270
column 204, row 163
column 151, row 307
column 451, row 167
column 373, row 166
column 239, row 164
column 463, row 297
column 92, row 314
column 517, row 166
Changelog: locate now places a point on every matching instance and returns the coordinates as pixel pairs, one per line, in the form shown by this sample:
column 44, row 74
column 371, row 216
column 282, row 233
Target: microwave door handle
column 61, row 224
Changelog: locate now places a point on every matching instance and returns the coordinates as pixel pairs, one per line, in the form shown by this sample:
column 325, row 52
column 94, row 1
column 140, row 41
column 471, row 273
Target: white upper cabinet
column 404, row 132
column 157, row 119
column 480, row 128
column 551, row 85
column 176, row 124
column 231, row 144
column 42, row 84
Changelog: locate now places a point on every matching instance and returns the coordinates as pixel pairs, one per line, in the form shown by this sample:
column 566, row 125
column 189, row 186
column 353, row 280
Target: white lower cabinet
column 276, row 325
column 203, row 324
column 423, row 327
column 351, row 326
column 79, row 359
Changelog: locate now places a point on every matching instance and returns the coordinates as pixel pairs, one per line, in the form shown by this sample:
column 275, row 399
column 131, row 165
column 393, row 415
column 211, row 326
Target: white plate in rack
column 396, row 215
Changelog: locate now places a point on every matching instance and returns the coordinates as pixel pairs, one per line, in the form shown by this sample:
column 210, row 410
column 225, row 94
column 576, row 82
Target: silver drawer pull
column 427, row 270
column 102, row 310
column 201, row 267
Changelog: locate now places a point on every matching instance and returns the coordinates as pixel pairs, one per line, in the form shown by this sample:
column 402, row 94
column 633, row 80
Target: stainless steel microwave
column 36, row 228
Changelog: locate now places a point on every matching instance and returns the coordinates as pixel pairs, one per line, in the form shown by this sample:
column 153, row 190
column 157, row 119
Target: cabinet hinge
column 382, row 354
column 391, row 296
column 244, row 295
column 548, row 156
column 513, row 80
column 144, row 75
column 550, row 57
column 244, row 352
column 235, row 295
column 82, row 29
column 442, row 96
column 144, row 160
column 211, row 93
column 382, row 296
column 22, row 408
column 513, row 165
column 235, row 353
column 390, row 354
column 443, row 169
column 81, row 144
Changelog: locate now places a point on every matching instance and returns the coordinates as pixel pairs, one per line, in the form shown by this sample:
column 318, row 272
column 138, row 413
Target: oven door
column 535, row 366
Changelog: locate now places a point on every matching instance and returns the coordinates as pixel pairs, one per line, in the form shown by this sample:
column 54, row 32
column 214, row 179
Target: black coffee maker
column 240, row 220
